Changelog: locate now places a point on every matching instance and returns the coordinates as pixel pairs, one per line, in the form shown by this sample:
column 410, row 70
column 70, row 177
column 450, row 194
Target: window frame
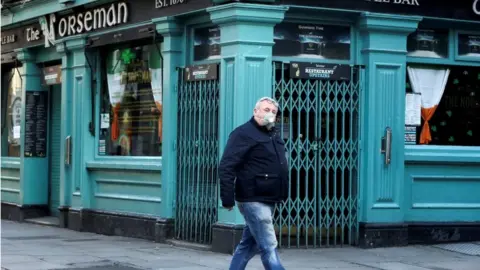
column 5, row 95
column 114, row 161
column 444, row 153
column 355, row 55
column 456, row 40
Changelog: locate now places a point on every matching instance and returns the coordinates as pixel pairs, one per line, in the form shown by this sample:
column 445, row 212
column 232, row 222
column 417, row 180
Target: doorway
column 197, row 148
column 54, row 149
column 319, row 122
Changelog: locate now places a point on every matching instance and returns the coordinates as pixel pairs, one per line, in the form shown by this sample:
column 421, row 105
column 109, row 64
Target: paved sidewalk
column 34, row 247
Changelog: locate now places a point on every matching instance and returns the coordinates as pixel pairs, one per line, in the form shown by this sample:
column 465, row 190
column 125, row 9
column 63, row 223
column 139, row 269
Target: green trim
column 464, row 58
column 134, row 165
column 10, row 163
column 417, row 154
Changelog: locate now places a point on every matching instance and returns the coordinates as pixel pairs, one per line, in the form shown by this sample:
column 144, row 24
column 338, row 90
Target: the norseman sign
column 82, row 22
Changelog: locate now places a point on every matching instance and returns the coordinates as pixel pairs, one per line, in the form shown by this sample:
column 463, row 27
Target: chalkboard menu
column 36, row 105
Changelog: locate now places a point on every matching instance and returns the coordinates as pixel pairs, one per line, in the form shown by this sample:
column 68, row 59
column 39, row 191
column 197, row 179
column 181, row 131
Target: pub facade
column 115, row 114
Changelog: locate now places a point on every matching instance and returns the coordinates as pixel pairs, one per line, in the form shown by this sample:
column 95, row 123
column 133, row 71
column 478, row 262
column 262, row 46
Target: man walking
column 254, row 172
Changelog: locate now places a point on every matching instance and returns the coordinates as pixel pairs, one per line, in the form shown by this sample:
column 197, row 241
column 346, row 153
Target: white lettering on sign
column 33, row 34
column 48, row 29
column 476, row 7
column 398, row 2
column 167, row 3
column 116, row 13
column 9, row 39
column 319, row 71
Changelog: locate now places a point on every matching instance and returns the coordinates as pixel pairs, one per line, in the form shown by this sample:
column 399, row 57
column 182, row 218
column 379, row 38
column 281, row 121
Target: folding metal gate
column 197, row 153
column 319, row 122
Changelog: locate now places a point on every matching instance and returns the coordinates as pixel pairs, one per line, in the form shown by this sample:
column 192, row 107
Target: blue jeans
column 258, row 237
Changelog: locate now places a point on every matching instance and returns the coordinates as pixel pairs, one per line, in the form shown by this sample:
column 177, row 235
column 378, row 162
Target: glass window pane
column 456, row 120
column 12, row 83
column 131, row 105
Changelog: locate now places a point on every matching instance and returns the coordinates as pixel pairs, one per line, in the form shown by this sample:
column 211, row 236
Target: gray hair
column 268, row 99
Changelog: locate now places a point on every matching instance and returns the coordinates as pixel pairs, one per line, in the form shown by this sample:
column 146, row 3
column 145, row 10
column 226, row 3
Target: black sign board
column 21, row 37
column 92, row 19
column 430, row 43
column 201, row 72
column 461, row 10
column 320, row 71
column 36, row 112
column 469, row 45
column 206, row 43
column 312, row 41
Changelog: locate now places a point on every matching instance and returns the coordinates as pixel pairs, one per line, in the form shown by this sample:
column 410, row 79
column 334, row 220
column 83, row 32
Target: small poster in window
column 101, row 147
column 410, row 135
column 105, row 120
column 16, row 132
column 413, row 109
column 206, row 44
column 283, row 123
column 312, row 41
column 428, row 43
column 469, row 45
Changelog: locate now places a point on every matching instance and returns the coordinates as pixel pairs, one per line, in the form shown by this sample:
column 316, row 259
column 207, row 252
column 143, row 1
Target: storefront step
column 189, row 245
column 46, row 221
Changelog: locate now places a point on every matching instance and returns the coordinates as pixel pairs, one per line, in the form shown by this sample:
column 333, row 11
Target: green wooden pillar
column 173, row 57
column 76, row 117
column 384, row 39
column 245, row 76
column 33, row 170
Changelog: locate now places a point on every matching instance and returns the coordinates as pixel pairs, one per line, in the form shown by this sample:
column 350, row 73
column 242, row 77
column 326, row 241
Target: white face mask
column 269, row 120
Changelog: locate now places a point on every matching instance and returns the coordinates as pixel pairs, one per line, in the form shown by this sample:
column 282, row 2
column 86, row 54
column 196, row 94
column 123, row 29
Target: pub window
column 206, row 43
column 312, row 41
column 11, row 111
column 469, row 45
column 447, row 106
column 428, row 43
column 131, row 102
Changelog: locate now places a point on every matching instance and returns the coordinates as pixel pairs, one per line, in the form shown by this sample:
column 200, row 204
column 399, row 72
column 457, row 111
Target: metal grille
column 197, row 148
column 319, row 123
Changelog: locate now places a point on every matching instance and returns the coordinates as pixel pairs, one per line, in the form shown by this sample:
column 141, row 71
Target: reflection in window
column 456, row 120
column 12, row 84
column 131, row 106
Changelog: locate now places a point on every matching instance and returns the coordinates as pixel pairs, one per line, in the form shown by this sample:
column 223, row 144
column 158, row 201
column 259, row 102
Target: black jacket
column 253, row 167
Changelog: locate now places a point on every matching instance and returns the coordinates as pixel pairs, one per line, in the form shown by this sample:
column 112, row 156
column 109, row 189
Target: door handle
column 387, row 145
column 68, row 149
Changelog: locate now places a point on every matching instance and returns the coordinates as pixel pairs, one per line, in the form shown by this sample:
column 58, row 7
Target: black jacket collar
column 261, row 128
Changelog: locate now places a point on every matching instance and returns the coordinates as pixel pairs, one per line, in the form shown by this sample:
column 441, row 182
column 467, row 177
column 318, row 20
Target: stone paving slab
column 34, row 247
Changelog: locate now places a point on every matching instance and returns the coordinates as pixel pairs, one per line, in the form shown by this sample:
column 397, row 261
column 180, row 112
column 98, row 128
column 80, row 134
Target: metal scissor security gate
column 197, row 153
column 319, row 122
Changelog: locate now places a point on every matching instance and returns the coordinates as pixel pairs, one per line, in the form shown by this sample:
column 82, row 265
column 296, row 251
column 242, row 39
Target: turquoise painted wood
column 453, row 172
column 66, row 123
column 54, row 148
column 383, row 106
column 246, row 68
column 442, row 192
column 79, row 83
column 173, row 58
column 128, row 191
column 10, row 185
column 33, row 170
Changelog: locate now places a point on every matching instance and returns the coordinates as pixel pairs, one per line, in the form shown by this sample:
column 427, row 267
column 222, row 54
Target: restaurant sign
column 331, row 72
column 201, row 72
